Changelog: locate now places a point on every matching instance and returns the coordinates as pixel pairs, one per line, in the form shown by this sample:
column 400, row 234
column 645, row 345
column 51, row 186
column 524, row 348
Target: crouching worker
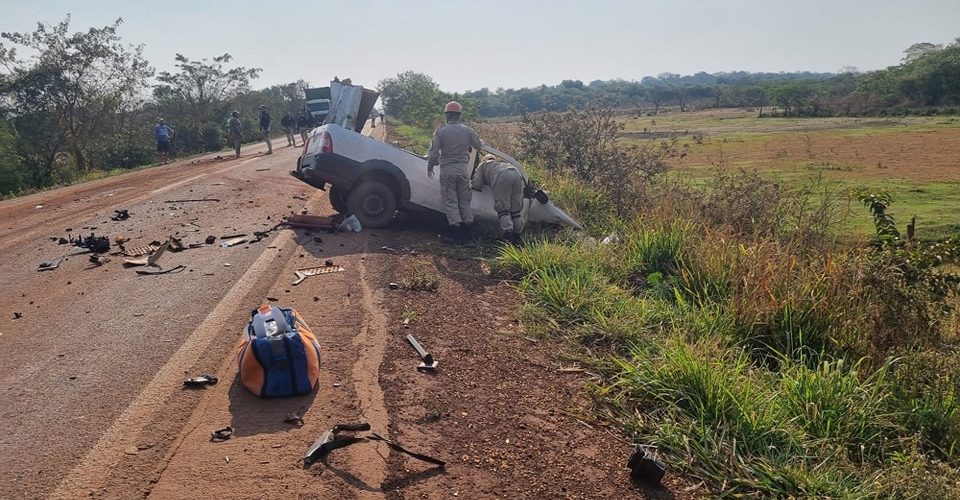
column 451, row 150
column 507, row 184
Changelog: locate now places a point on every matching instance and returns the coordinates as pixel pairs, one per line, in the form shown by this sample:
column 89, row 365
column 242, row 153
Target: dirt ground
column 918, row 156
column 91, row 368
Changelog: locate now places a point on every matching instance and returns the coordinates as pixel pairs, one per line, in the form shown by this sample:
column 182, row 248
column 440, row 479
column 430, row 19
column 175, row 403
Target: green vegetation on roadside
column 737, row 335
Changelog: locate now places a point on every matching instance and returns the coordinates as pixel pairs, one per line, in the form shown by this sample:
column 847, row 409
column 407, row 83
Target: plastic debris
column 350, row 225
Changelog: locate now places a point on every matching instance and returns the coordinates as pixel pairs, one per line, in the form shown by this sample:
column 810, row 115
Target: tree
column 919, row 50
column 199, row 92
column 412, row 97
column 77, row 84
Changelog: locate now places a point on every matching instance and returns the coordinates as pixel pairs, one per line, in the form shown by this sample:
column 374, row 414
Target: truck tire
column 338, row 200
column 373, row 203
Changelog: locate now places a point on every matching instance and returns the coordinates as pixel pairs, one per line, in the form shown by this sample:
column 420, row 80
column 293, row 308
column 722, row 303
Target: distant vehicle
column 318, row 103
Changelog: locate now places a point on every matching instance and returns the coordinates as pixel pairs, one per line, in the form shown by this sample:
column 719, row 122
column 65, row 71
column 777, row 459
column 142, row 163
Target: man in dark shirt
column 265, row 128
column 288, row 124
column 236, row 131
column 303, row 125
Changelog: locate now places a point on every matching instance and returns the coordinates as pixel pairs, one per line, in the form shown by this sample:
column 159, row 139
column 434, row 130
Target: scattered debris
column 388, row 249
column 98, row 260
column 210, row 239
column 17, row 315
column 51, row 265
column 571, row 369
column 139, row 250
column 350, row 225
column 317, row 239
column 610, row 239
column 38, row 207
column 427, row 362
column 94, row 243
column 645, row 466
column 394, row 286
column 222, row 435
column 119, row 215
column 233, row 241
column 272, row 299
column 299, row 197
column 303, row 274
column 294, row 419
column 328, row 262
column 63, row 241
column 192, row 200
column 531, row 339
column 201, row 381
column 314, row 221
column 177, row 269
column 330, row 441
column 175, row 245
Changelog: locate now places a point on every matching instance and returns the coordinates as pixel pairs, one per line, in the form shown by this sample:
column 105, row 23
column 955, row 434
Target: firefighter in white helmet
column 451, row 150
column 507, row 184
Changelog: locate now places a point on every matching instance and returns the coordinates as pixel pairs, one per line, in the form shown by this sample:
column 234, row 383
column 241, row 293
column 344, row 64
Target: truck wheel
column 373, row 203
column 338, row 199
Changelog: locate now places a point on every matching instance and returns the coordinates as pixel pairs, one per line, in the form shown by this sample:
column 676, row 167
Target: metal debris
column 233, row 241
column 222, row 434
column 94, row 243
column 201, row 381
column 191, row 200
column 139, row 250
column 51, row 265
column 98, row 260
column 427, row 363
column 177, row 269
column 120, row 215
column 303, row 274
column 645, row 466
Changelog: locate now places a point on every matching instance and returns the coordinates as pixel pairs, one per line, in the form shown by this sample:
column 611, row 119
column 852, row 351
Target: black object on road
column 645, row 466
column 330, row 441
column 201, row 381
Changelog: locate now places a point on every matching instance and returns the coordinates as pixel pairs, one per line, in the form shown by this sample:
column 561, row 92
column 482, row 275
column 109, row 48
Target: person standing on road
column 163, row 134
column 288, row 123
column 265, row 128
column 451, row 150
column 507, row 184
column 236, row 131
column 303, row 125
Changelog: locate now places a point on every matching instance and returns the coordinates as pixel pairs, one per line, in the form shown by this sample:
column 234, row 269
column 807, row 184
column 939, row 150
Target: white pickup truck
column 372, row 180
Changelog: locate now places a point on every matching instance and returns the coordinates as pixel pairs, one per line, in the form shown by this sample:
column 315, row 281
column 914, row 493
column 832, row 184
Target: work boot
column 453, row 236
column 516, row 239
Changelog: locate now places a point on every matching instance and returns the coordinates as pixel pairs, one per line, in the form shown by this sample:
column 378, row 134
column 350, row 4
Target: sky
column 467, row 45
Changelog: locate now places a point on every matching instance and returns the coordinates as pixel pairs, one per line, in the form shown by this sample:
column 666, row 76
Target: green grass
column 410, row 137
column 745, row 364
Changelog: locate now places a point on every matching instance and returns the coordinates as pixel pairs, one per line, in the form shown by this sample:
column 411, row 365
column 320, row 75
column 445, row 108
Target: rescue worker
column 236, row 131
column 288, row 124
column 451, row 150
column 265, row 128
column 507, row 184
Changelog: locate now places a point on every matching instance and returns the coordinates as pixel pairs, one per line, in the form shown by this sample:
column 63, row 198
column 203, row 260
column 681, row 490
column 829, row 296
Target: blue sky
column 501, row 43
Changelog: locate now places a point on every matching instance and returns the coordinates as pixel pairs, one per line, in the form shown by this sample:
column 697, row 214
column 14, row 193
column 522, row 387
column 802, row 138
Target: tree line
column 86, row 101
column 926, row 81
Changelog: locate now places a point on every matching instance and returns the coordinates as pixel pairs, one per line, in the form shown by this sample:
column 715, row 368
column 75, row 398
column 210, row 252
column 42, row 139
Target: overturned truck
column 373, row 180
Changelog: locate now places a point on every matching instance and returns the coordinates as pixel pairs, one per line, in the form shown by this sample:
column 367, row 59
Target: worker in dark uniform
column 265, row 128
column 288, row 124
column 450, row 150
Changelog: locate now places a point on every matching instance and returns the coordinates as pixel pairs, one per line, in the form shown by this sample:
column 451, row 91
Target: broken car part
column 96, row 244
column 330, row 441
column 426, row 359
column 201, row 381
column 645, row 466
column 210, row 239
column 314, row 221
column 119, row 215
column 48, row 266
column 192, row 200
column 294, row 419
column 221, row 434
column 177, row 269
column 233, row 241
column 139, row 250
column 303, row 274
column 98, row 260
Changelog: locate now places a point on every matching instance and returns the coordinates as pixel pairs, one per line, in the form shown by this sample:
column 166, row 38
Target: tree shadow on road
column 250, row 415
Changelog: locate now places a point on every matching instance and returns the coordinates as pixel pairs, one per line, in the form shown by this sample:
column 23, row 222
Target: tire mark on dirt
column 371, row 343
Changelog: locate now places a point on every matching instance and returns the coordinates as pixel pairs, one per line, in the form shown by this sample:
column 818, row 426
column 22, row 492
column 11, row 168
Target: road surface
column 92, row 358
